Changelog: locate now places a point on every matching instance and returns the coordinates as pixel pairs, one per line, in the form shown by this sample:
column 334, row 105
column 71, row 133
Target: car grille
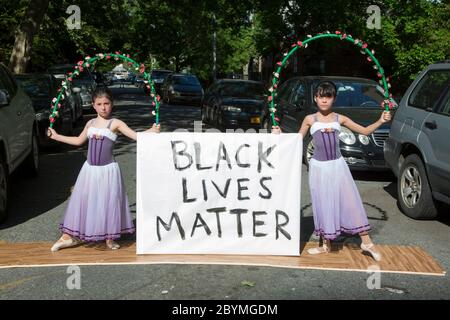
column 379, row 137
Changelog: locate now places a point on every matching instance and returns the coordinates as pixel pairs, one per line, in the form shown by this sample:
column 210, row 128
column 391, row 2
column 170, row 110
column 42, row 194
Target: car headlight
column 347, row 136
column 231, row 108
column 363, row 139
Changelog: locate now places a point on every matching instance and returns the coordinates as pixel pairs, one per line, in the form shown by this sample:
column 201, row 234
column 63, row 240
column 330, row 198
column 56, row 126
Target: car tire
column 4, row 189
column 31, row 163
column 414, row 192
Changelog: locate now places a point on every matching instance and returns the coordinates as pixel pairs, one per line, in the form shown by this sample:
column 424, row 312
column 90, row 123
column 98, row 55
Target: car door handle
column 431, row 124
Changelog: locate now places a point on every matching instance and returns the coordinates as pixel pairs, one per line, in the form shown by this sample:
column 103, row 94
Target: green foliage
column 178, row 35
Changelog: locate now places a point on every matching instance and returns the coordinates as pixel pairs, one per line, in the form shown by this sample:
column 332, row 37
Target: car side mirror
column 4, row 97
column 76, row 90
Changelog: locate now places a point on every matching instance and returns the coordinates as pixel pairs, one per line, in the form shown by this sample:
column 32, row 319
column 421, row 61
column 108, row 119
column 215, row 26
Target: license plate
column 255, row 120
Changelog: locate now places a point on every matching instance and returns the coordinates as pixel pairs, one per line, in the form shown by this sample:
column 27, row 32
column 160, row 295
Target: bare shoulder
column 116, row 124
column 341, row 118
column 309, row 119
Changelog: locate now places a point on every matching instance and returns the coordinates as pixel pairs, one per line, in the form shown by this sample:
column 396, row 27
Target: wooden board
column 396, row 259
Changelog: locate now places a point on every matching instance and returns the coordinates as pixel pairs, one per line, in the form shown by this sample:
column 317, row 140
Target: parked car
column 85, row 81
column 42, row 88
column 18, row 135
column 234, row 104
column 418, row 148
column 99, row 79
column 358, row 98
column 183, row 88
column 158, row 76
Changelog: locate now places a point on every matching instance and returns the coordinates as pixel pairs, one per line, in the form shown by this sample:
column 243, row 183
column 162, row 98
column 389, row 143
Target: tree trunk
column 32, row 20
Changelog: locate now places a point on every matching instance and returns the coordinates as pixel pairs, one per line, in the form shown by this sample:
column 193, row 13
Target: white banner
column 218, row 193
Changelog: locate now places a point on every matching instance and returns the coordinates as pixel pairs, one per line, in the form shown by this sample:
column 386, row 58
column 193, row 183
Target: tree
column 21, row 52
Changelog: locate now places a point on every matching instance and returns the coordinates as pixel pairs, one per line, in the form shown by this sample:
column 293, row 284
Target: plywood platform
column 396, row 259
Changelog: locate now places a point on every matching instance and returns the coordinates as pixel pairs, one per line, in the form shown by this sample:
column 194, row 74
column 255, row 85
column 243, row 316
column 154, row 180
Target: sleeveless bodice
column 101, row 144
column 326, row 140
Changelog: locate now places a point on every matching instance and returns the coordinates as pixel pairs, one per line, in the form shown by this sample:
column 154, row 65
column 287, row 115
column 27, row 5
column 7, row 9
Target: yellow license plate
column 255, row 120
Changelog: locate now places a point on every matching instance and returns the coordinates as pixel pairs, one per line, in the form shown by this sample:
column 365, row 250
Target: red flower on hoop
column 279, row 63
column 364, row 45
column 142, row 68
column 337, row 32
column 52, row 120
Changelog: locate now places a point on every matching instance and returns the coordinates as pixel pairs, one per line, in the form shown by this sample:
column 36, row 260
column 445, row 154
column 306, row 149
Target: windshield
column 357, row 94
column 35, row 87
column 160, row 74
column 242, row 89
column 186, row 80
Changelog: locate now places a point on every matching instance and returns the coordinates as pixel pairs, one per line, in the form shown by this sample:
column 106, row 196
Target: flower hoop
column 91, row 61
column 388, row 102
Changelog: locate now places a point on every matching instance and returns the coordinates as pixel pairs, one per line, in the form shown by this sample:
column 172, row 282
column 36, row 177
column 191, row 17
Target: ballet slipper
column 112, row 244
column 318, row 250
column 64, row 243
column 370, row 249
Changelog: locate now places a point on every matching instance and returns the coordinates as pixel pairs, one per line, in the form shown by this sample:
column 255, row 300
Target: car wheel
column 4, row 189
column 414, row 193
column 308, row 150
column 32, row 161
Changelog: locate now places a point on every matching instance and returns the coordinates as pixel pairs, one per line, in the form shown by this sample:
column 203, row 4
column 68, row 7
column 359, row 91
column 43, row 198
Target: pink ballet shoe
column 112, row 244
column 64, row 243
column 318, row 250
column 369, row 248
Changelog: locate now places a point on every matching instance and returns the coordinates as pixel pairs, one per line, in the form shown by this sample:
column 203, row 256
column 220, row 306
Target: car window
column 446, row 104
column 186, row 80
column 429, row 89
column 299, row 93
column 242, row 89
column 6, row 83
column 356, row 94
column 36, row 87
column 285, row 91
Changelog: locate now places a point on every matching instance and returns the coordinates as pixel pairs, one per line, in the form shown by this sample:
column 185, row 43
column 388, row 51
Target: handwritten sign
column 218, row 193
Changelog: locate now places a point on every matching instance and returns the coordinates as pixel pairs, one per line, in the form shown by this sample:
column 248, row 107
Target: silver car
column 418, row 147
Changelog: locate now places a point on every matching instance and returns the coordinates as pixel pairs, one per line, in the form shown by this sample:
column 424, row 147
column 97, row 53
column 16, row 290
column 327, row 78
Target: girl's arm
column 306, row 124
column 130, row 133
column 347, row 122
column 75, row 141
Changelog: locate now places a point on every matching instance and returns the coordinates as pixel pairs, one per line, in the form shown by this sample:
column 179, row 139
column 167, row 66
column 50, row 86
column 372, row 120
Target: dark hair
column 326, row 89
column 102, row 92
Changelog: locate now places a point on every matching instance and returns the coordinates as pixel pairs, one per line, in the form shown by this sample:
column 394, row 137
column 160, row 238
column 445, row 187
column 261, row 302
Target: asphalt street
column 37, row 206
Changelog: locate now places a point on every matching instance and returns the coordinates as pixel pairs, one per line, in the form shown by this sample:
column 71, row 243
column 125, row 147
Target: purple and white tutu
column 336, row 203
column 98, row 207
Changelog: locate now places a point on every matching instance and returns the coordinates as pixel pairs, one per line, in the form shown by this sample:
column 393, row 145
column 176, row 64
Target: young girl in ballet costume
column 336, row 203
column 98, row 207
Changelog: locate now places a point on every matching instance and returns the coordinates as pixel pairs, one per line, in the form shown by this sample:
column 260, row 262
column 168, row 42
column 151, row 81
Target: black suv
column 359, row 99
